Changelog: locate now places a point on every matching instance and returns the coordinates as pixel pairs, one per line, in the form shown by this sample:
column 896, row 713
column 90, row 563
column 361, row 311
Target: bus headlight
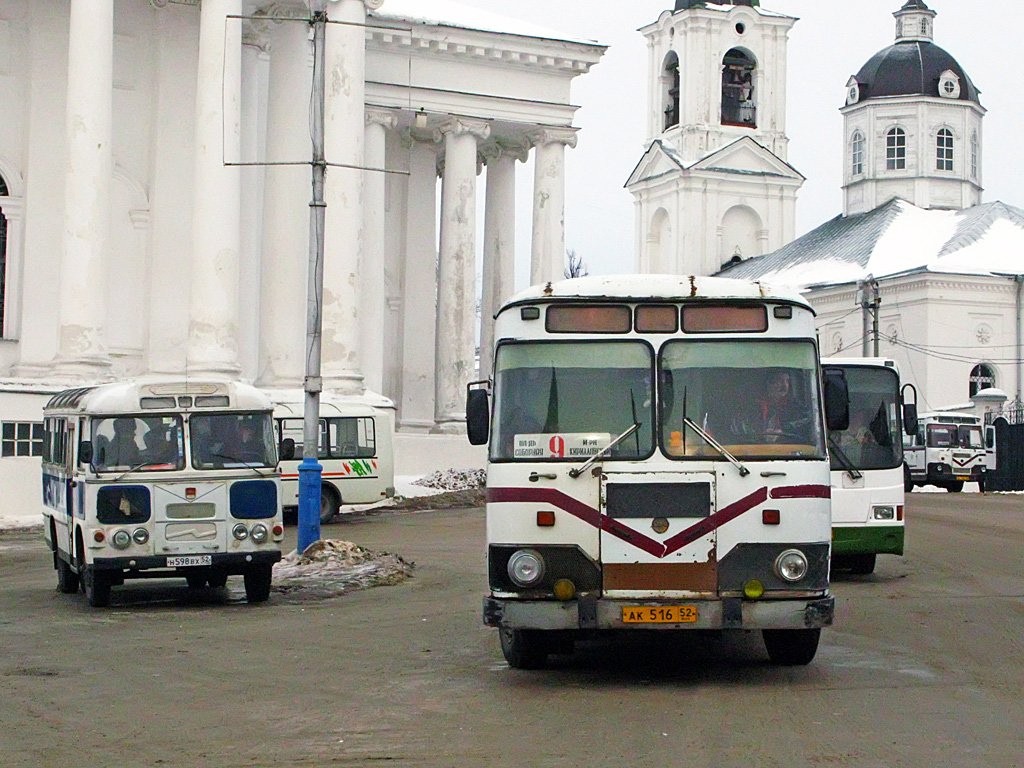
column 791, row 565
column 884, row 513
column 240, row 532
column 526, row 567
column 259, row 533
column 121, row 539
column 140, row 535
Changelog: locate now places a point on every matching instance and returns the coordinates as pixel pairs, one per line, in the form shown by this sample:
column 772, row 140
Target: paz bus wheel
column 195, row 580
column 908, row 484
column 67, row 579
column 523, row 648
column 791, row 647
column 955, row 486
column 257, row 583
column 97, row 588
column 329, row 505
column 862, row 564
column 217, row 579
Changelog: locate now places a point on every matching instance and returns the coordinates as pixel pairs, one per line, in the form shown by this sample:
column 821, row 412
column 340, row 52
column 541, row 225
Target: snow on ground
column 330, row 567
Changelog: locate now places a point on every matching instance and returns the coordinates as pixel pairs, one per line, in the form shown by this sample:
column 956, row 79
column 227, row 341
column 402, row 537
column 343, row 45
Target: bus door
column 655, row 536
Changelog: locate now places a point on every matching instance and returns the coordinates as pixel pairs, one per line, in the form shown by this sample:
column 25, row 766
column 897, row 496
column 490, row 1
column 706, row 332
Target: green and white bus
column 161, row 478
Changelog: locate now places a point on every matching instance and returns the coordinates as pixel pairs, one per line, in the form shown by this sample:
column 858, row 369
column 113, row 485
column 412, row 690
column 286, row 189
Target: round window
column 741, row 28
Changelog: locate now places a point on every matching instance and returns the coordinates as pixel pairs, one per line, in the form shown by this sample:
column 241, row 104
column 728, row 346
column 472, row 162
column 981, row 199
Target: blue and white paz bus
column 657, row 461
column 161, row 479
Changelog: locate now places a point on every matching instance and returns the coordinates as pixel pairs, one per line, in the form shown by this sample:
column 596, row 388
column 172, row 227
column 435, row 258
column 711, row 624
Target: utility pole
column 869, row 300
column 310, row 470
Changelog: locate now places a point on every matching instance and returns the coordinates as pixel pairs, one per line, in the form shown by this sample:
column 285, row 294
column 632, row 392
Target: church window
column 738, row 99
column 924, row 26
column 896, row 149
column 670, row 89
column 982, row 377
column 944, row 150
column 857, row 153
column 974, row 155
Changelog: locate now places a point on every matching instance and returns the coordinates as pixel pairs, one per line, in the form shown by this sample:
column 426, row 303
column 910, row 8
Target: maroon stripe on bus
column 802, row 492
column 719, row 518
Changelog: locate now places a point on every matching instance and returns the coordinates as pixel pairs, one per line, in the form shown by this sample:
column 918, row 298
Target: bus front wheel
column 955, row 486
column 257, row 583
column 329, row 505
column 523, row 648
column 97, row 588
column 791, row 647
column 67, row 579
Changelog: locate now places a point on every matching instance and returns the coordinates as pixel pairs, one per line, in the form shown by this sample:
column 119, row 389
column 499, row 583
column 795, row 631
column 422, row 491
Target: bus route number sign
column 569, row 445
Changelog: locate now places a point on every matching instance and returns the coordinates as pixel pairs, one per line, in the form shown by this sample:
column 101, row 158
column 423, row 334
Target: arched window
column 738, row 102
column 982, row 377
column 974, row 155
column 896, row 149
column 857, row 153
column 924, row 26
column 944, row 150
column 670, row 88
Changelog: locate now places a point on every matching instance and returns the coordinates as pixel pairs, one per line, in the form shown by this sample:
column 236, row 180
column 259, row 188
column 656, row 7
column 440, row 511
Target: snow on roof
column 895, row 238
column 446, row 13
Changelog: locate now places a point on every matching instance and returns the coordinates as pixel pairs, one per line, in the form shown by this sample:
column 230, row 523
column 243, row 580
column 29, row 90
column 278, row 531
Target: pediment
column 657, row 161
column 748, row 157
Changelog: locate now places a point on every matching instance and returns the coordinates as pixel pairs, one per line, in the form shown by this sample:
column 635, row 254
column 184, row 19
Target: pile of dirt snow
column 455, row 479
column 331, row 567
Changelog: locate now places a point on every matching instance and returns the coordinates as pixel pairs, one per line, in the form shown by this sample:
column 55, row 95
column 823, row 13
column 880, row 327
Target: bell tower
column 714, row 185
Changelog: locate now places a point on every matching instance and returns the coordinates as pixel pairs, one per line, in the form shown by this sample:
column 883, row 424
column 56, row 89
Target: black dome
column 911, row 68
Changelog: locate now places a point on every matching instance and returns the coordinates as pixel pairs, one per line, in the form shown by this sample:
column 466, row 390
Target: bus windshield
column 568, row 400
column 970, row 437
column 138, row 442
column 757, row 399
column 942, row 436
column 232, row 440
column 871, row 441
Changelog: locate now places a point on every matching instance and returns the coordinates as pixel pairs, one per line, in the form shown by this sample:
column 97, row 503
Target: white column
column 499, row 244
column 419, row 287
column 456, row 284
column 213, row 307
column 548, row 256
column 344, row 119
column 371, row 273
column 13, row 212
column 81, row 347
column 283, row 271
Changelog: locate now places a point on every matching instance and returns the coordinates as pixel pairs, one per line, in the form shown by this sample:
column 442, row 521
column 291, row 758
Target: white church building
column 943, row 271
column 155, row 190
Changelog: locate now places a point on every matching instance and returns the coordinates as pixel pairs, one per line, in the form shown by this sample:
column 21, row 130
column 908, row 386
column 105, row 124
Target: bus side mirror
column 837, row 400
column 85, row 452
column 287, row 449
column 909, row 410
column 478, row 413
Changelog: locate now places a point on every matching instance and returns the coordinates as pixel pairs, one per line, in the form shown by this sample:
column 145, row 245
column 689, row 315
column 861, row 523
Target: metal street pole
column 310, row 470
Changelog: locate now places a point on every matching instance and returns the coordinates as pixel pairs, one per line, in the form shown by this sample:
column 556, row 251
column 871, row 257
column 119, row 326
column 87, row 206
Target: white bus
column 950, row 448
column 161, row 479
column 657, row 461
column 867, row 464
column 356, row 452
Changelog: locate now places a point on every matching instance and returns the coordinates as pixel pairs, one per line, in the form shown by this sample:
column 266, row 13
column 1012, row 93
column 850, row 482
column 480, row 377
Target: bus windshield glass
column 559, row 400
column 232, row 440
column 755, row 398
column 970, row 437
column 942, row 436
column 153, row 443
column 872, row 439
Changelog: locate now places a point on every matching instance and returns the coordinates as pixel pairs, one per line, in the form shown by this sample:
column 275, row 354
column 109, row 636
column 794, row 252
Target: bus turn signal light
column 546, row 518
column 770, row 517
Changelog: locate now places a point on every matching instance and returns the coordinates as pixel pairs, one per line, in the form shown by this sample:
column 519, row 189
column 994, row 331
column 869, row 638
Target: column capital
column 425, row 136
column 553, row 135
column 381, row 116
column 458, row 126
column 163, row 3
column 371, row 5
column 495, row 150
column 285, row 9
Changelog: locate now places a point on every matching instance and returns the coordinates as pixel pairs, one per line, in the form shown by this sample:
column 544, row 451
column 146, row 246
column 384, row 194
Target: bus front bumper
column 231, row 563
column 868, row 540
column 602, row 613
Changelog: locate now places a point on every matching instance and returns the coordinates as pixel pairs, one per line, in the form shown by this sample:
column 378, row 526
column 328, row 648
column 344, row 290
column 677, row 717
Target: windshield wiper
column 717, row 446
column 236, row 460
column 844, row 460
column 133, row 468
column 577, row 472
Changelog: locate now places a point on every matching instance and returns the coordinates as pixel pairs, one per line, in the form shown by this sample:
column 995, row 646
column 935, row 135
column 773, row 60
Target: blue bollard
column 310, row 471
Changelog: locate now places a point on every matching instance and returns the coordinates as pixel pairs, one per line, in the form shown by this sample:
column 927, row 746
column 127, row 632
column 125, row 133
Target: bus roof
column 949, row 417
column 656, row 287
column 126, row 396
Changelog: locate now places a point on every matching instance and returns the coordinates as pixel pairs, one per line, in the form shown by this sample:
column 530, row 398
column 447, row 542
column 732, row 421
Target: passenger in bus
column 249, row 447
column 776, row 416
column 160, row 448
column 121, row 450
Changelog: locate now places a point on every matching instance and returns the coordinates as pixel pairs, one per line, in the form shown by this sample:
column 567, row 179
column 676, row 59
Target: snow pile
column 330, row 567
column 455, row 479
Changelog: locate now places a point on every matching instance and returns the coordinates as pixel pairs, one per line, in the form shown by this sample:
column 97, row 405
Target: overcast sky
column 831, row 42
